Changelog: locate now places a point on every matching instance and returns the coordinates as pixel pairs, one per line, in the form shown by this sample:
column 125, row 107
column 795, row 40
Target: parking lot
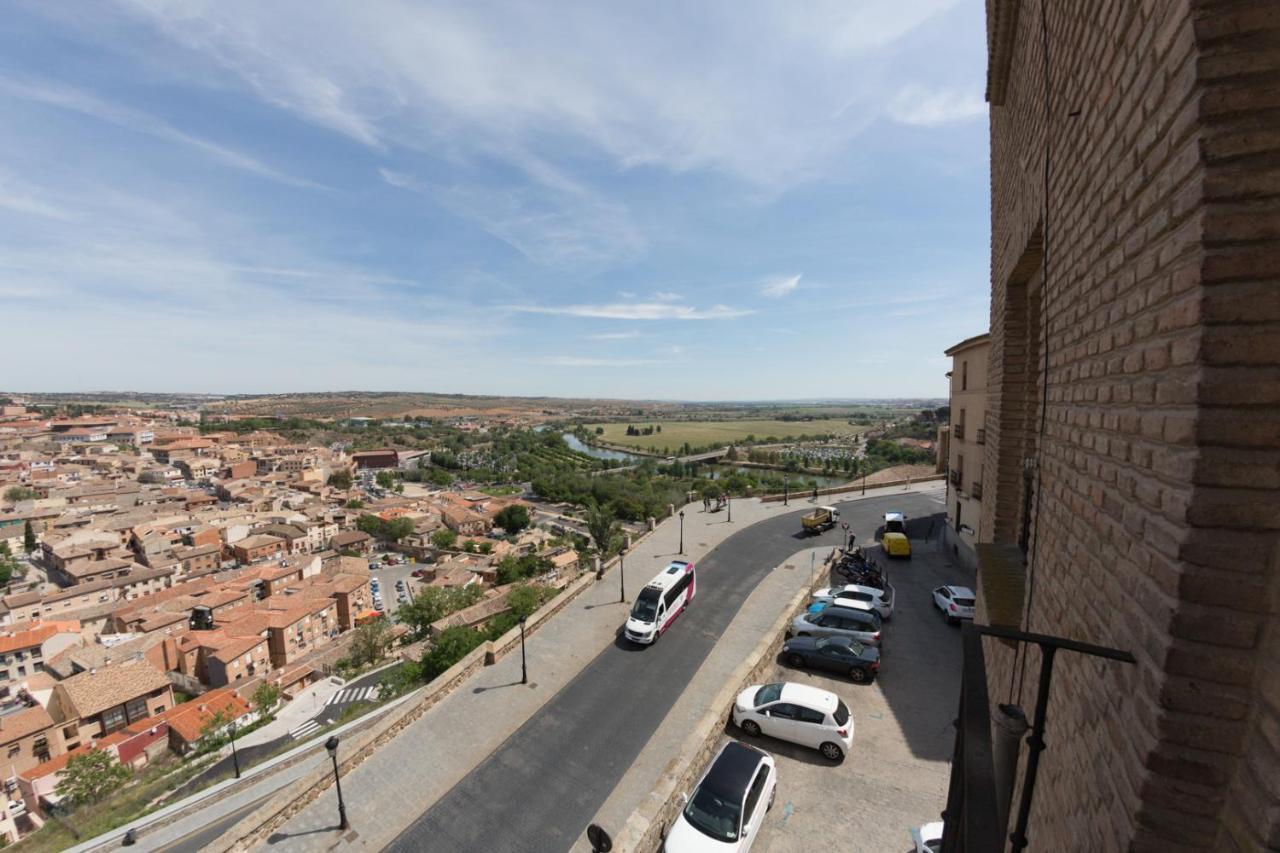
column 896, row 774
column 387, row 577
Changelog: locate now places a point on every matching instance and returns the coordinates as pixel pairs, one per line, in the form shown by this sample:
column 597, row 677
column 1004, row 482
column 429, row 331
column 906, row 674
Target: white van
column 660, row 602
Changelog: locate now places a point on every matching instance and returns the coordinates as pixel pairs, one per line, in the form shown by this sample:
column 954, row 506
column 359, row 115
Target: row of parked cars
column 841, row 631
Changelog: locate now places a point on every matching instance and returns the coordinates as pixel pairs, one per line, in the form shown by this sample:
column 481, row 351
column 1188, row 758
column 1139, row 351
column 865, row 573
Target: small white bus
column 660, row 602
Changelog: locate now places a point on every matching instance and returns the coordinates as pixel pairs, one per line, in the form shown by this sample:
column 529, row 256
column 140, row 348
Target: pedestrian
column 815, row 493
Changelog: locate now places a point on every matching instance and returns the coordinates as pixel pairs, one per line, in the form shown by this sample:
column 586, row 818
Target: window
column 677, row 590
column 784, row 711
column 808, row 715
column 70, row 732
column 14, row 750
column 753, row 795
column 112, row 719
column 842, row 713
column 40, row 748
column 964, row 380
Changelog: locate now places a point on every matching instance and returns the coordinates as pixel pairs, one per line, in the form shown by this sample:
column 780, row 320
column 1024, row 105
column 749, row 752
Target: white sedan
column 880, row 599
column 798, row 713
column 955, row 602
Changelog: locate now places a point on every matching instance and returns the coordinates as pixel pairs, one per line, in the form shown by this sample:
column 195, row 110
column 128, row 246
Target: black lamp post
column 622, row 576
column 681, row 532
column 235, row 759
column 786, row 491
column 332, row 745
column 524, row 667
column 728, row 502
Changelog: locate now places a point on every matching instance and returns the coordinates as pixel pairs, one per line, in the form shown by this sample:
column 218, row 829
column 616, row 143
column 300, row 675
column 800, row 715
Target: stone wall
column 1133, row 434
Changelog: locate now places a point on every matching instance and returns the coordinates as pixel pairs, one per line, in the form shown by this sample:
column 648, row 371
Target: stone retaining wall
column 799, row 494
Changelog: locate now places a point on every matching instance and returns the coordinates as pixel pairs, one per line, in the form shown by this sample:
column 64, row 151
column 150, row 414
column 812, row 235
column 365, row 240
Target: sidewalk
column 442, row 746
column 304, row 706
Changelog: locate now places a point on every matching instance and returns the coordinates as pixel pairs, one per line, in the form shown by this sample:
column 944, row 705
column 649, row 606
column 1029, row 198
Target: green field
column 706, row 433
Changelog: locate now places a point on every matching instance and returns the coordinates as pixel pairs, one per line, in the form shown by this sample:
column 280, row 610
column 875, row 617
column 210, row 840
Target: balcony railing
column 975, row 491
column 980, row 435
column 958, row 431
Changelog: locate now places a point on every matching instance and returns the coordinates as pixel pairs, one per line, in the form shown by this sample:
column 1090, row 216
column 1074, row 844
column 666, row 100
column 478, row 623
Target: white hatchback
column 798, row 713
column 880, row 599
column 955, row 602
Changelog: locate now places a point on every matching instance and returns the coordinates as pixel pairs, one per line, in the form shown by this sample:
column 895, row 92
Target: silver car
column 833, row 621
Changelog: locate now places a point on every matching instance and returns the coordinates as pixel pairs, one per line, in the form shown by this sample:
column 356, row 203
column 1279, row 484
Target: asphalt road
column 538, row 791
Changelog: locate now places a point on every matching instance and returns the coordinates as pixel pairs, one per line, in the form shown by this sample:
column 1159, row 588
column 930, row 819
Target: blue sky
column 721, row 200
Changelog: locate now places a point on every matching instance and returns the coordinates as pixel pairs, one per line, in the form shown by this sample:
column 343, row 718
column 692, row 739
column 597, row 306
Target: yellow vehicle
column 894, row 539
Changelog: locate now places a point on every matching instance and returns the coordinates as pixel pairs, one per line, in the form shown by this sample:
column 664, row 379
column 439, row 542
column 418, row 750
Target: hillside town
column 157, row 578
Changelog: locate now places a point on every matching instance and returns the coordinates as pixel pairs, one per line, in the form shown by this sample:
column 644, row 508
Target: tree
column 439, row 477
column 605, row 531
column 470, row 546
column 451, row 646
column 433, row 604
column 265, row 697
column 370, row 524
column 90, row 776
column 20, row 493
column 370, row 643
column 513, row 518
column 444, row 539
column 341, row 479
column 599, row 430
column 354, row 503
column 28, row 537
column 397, row 528
column 524, row 599
column 385, row 479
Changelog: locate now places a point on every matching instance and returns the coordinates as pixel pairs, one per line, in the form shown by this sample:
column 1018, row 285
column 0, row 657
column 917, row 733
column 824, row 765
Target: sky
column 688, row 201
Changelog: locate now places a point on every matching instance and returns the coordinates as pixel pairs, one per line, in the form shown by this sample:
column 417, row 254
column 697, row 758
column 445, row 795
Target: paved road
column 539, row 789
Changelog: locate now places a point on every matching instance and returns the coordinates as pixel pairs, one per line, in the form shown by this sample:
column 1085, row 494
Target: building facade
column 965, row 446
column 1131, row 494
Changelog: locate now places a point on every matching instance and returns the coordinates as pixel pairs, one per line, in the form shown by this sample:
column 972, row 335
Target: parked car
column 419, row 573
column 16, row 808
column 927, row 838
column 797, row 713
column 955, row 602
column 860, row 625
column 727, row 806
column 880, row 599
column 374, row 566
column 893, row 540
column 835, row 654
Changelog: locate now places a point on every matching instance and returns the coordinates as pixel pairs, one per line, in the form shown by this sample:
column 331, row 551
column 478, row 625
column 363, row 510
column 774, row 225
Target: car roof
column 893, row 516
column 894, row 535
column 852, row 604
column 731, row 772
column 804, row 694
column 962, row 591
column 862, row 610
column 857, row 587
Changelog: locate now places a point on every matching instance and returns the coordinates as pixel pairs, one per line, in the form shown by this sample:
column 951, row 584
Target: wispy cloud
column 614, row 336
column 916, row 105
column 74, row 100
column 637, row 311
column 781, row 286
column 667, row 296
column 576, row 361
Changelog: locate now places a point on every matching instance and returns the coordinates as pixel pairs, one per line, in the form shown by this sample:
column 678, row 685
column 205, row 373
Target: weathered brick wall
column 1155, row 522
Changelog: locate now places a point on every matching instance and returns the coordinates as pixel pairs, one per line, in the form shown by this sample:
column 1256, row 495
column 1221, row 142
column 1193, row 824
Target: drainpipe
column 1009, row 728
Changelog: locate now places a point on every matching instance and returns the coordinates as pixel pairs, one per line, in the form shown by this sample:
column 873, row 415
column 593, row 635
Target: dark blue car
column 836, row 654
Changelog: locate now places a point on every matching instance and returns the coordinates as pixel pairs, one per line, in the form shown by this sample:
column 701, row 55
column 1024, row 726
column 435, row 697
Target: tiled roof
column 91, row 693
column 189, row 719
column 35, row 635
column 26, row 722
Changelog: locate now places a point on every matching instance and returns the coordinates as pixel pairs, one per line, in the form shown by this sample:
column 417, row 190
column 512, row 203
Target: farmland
column 675, row 434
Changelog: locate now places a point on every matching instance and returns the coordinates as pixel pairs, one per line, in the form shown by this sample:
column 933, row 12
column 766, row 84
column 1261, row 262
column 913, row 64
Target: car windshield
column 842, row 713
column 712, row 816
column 768, row 693
column 646, row 609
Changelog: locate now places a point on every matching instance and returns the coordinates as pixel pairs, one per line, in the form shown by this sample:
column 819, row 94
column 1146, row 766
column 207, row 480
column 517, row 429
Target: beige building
column 964, row 446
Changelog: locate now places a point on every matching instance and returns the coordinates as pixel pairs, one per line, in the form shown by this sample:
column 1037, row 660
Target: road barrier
column 798, row 494
column 646, row 828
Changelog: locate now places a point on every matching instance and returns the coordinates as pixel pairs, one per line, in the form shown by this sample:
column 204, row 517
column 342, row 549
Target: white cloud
column 614, row 336
column 667, row 296
column 781, row 286
column 637, row 311
column 67, row 98
column 916, row 105
column 575, row 361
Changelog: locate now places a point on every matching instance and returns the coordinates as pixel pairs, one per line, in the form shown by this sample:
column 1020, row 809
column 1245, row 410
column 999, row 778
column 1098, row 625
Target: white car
column 955, row 602
column 798, row 713
column 16, row 808
column 726, row 809
column 880, row 599
column 927, row 838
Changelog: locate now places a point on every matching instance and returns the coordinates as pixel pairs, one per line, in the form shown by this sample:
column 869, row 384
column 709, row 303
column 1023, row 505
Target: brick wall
column 1154, row 499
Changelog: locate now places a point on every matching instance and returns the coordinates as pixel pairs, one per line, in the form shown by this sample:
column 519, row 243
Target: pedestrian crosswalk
column 305, row 729
column 353, row 694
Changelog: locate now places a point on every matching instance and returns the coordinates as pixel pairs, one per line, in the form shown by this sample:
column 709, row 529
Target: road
column 541, row 787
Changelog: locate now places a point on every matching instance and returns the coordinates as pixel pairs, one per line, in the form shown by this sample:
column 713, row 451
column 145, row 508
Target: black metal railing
column 971, row 820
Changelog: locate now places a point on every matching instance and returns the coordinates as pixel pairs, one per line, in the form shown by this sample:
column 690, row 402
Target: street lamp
column 681, row 551
column 622, row 577
column 786, row 491
column 524, row 668
column 235, row 759
column 332, row 745
column 728, row 502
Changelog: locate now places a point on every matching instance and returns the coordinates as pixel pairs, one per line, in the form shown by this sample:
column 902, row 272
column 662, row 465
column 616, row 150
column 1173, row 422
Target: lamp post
column 786, row 491
column 332, row 745
column 622, row 575
column 681, row 551
column 728, row 502
column 524, row 668
column 235, row 759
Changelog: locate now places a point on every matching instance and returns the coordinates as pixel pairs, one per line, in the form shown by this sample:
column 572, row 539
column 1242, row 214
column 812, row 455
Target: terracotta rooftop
column 26, row 722
column 91, row 693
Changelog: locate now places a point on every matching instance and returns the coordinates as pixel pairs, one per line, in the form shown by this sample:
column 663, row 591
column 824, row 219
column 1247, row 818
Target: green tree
column 524, row 599
column 28, row 537
column 439, row 477
column 19, row 493
column 265, row 697
column 340, row 479
column 433, row 604
column 90, row 776
column 605, row 531
column 513, row 518
column 451, row 646
column 397, row 528
column 470, row 546
column 371, row 524
column 385, row 479
column 444, row 539
column 485, row 547
column 371, row 641
column 354, row 503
